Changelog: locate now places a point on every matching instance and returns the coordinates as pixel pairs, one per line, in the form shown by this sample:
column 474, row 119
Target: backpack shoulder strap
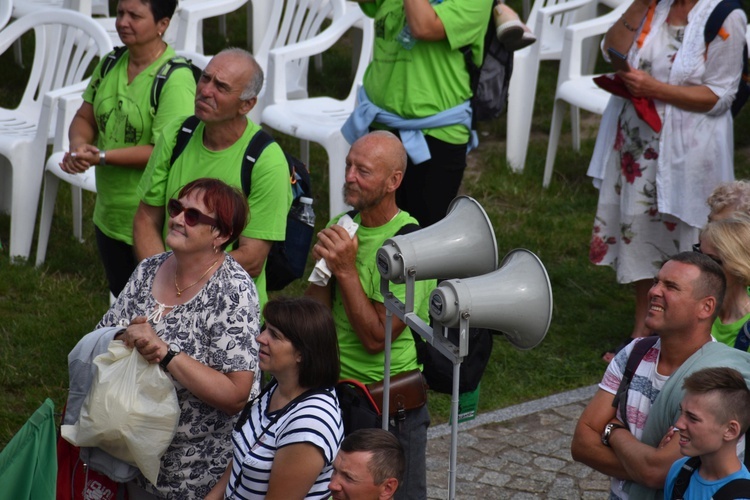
column 683, row 477
column 254, row 149
column 110, row 60
column 742, row 342
column 717, row 17
column 636, row 355
column 163, row 73
column 738, row 488
column 183, row 137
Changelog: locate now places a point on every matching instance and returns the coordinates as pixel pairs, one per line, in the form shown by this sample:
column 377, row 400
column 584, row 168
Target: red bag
column 76, row 481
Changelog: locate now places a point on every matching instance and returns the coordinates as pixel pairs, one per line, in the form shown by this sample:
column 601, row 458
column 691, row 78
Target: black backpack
column 287, row 259
column 738, row 488
column 162, row 74
column 489, row 82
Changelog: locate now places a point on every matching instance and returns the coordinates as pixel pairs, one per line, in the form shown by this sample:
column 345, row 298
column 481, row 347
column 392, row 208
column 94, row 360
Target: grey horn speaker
column 516, row 299
column 460, row 245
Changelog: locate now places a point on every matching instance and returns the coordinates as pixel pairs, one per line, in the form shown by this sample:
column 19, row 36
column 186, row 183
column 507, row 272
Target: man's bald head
column 384, row 147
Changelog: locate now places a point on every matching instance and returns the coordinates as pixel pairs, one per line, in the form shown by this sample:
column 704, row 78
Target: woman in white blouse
column 653, row 182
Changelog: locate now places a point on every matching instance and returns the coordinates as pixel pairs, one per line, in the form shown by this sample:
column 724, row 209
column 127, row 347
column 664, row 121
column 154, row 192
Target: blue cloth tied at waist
column 410, row 129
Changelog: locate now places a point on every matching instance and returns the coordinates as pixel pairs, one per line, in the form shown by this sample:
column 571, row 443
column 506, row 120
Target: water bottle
column 306, row 213
column 405, row 38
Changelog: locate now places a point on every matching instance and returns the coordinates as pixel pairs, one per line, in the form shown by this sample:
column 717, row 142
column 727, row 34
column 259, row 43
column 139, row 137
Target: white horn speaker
column 516, row 299
column 460, row 245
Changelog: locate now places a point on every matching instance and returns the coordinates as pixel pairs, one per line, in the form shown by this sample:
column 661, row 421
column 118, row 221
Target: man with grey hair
column 220, row 132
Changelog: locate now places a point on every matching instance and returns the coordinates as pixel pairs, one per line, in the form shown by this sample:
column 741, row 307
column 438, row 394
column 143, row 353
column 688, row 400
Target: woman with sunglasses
column 286, row 439
column 194, row 310
column 727, row 241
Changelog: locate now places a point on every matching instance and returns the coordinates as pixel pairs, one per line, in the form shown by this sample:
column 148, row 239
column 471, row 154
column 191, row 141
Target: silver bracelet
column 627, row 25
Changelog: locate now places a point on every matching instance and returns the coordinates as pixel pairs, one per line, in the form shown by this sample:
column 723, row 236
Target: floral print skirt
column 629, row 232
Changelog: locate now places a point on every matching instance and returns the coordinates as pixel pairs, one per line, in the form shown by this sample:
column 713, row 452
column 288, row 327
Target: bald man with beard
column 375, row 167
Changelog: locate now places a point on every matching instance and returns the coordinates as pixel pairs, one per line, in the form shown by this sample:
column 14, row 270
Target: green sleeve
column 153, row 185
column 270, row 196
column 93, row 86
column 177, row 99
column 465, row 23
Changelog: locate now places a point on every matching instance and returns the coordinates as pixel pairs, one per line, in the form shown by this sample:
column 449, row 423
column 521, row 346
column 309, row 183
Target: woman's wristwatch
column 102, row 157
column 174, row 350
column 608, row 429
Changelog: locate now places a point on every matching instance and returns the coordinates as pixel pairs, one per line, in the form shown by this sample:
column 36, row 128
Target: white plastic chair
column 292, row 22
column 548, row 19
column 87, row 7
column 574, row 87
column 67, row 106
column 66, row 43
column 6, row 10
column 318, row 119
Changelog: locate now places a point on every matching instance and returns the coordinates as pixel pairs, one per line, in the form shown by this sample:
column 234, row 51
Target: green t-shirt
column 123, row 117
column 270, row 192
column 431, row 76
column 727, row 333
column 356, row 362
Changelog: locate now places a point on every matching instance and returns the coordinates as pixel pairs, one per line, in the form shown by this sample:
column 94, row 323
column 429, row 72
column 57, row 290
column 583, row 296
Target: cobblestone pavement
column 517, row 453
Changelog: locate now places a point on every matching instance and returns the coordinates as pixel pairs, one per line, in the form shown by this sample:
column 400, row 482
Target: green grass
column 45, row 311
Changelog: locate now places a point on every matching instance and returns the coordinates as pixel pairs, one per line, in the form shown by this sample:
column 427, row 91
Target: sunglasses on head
column 697, row 248
column 192, row 215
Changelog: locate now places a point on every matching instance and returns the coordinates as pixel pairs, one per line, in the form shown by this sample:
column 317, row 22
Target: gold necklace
column 180, row 290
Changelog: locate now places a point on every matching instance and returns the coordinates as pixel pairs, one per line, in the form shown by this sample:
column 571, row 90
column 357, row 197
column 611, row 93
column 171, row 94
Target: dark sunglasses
column 697, row 248
column 192, row 215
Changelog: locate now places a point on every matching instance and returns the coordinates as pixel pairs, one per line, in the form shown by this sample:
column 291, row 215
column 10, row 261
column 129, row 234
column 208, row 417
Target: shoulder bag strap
column 636, row 355
column 183, row 137
column 683, row 477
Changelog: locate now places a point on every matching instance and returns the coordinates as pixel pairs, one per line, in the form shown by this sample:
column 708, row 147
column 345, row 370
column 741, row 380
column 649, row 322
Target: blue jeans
column 412, row 434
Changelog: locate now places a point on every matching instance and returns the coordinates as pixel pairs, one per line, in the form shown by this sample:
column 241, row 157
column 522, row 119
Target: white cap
column 305, row 199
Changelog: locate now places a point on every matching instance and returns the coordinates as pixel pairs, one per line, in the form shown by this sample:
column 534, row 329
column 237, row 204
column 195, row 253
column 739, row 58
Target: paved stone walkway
column 517, row 453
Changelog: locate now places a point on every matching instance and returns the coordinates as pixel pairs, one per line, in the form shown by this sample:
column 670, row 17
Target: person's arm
column 645, row 464
column 294, row 471
column 217, row 492
column 696, row 98
column 82, row 134
column 622, row 34
column 587, row 446
column 148, row 226
column 320, row 293
column 423, row 21
column 251, row 253
column 367, row 317
column 227, row 392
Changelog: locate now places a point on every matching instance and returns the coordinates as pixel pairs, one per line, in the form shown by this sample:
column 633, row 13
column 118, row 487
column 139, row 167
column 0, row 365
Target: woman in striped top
column 286, row 439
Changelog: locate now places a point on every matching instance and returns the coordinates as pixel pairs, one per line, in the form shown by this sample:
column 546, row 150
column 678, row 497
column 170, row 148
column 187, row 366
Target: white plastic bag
column 131, row 410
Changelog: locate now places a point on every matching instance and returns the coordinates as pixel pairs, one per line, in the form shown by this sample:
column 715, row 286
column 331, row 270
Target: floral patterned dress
column 629, row 232
column 217, row 327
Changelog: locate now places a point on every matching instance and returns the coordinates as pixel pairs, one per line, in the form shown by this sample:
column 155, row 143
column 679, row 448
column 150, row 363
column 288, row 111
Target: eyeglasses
column 697, row 248
column 192, row 215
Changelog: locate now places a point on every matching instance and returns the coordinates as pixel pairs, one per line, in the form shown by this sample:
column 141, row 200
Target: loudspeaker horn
column 460, row 245
column 516, row 300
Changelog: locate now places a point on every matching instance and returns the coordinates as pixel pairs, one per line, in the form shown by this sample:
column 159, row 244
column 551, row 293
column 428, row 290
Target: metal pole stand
column 455, row 353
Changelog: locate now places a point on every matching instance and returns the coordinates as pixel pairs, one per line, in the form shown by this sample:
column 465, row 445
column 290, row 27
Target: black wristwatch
column 608, row 432
column 174, row 350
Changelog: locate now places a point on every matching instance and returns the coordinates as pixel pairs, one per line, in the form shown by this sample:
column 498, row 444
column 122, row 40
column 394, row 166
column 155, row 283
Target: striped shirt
column 315, row 420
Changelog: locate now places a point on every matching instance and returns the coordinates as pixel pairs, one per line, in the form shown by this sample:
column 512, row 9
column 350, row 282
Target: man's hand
column 338, row 249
